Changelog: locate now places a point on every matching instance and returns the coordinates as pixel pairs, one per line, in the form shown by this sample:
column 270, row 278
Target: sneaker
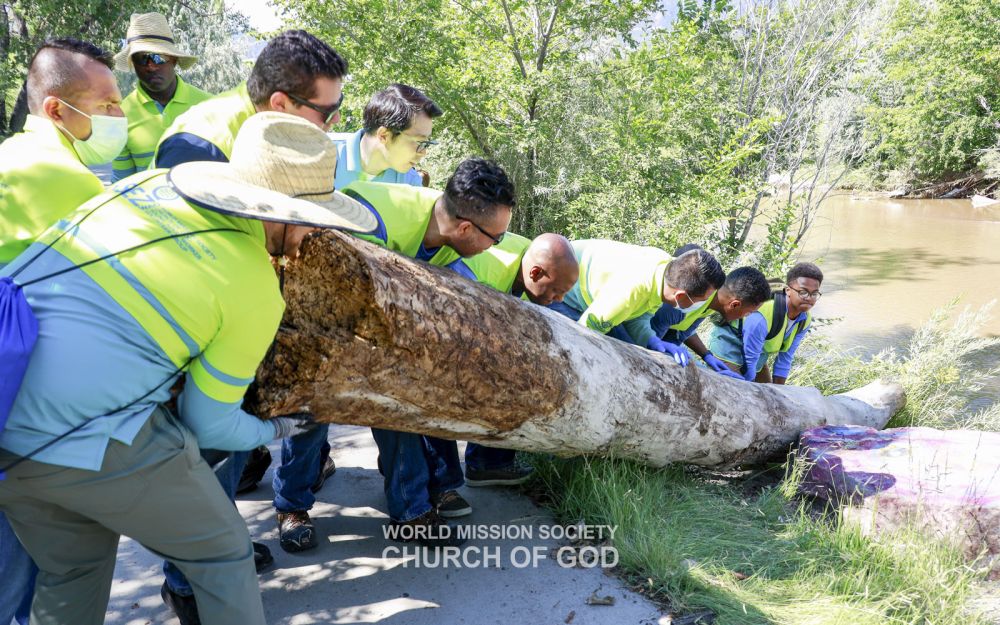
column 428, row 530
column 329, row 468
column 183, row 606
column 296, row 531
column 510, row 475
column 253, row 472
column 262, row 557
column 450, row 504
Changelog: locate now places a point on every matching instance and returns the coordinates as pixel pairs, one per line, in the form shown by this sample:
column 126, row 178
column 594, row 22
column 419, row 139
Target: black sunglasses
column 326, row 111
column 496, row 239
column 144, row 59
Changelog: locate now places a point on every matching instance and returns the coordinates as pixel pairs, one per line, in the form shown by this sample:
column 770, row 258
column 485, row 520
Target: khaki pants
column 157, row 491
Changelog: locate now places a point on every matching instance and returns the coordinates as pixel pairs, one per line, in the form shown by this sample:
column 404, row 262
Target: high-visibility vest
column 216, row 120
column 499, row 266
column 146, row 124
column 403, row 211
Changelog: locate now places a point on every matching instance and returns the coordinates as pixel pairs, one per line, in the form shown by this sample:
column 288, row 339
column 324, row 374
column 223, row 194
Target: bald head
column 67, row 68
column 549, row 268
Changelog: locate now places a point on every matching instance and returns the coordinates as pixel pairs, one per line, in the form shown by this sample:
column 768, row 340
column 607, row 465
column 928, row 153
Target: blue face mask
column 107, row 138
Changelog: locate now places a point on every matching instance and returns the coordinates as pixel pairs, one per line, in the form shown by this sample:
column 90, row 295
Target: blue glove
column 714, row 363
column 679, row 354
column 718, row 366
column 729, row 373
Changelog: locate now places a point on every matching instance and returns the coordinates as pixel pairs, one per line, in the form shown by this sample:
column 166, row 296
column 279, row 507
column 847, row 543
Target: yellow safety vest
column 498, row 266
column 216, row 120
column 146, row 124
column 405, row 211
column 41, row 181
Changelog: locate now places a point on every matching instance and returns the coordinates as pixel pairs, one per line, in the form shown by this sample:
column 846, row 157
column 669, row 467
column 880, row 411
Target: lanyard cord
column 30, row 261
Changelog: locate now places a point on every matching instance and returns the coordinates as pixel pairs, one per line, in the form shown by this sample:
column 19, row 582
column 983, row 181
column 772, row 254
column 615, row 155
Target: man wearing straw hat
column 89, row 450
column 295, row 73
column 161, row 95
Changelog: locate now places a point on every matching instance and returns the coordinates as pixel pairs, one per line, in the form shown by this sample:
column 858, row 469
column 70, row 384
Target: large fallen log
column 373, row 338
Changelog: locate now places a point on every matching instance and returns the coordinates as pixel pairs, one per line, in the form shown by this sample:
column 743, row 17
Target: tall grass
column 764, row 556
column 934, row 368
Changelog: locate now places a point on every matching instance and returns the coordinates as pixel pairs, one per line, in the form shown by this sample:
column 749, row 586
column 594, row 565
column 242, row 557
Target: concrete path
column 347, row 579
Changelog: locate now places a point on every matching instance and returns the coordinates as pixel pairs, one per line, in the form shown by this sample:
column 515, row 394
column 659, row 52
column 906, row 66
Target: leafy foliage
column 937, row 104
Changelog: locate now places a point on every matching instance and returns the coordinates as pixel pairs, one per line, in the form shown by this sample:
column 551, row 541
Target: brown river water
column 889, row 263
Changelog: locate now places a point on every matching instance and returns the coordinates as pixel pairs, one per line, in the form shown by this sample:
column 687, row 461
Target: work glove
column 720, row 367
column 678, row 352
column 290, row 425
column 729, row 373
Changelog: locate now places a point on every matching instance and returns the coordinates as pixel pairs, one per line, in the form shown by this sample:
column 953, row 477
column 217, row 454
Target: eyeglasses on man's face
column 495, row 238
column 421, row 145
column 328, row 112
column 807, row 294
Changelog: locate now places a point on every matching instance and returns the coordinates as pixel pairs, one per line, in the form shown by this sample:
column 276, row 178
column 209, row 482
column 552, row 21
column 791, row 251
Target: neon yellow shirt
column 147, row 122
column 209, row 128
column 618, row 282
column 499, row 266
column 403, row 212
column 117, row 329
column 41, row 181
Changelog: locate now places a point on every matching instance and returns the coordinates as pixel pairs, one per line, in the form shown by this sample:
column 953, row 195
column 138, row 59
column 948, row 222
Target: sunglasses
column 496, row 239
column 326, row 111
column 145, row 59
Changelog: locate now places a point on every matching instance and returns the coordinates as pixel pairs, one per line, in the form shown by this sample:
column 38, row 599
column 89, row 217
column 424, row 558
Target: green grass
column 698, row 539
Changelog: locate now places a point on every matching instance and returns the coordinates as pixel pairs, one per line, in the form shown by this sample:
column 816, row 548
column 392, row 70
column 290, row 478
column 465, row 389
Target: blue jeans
column 483, row 458
column 301, row 461
column 415, row 467
column 229, row 476
column 17, row 572
column 618, row 332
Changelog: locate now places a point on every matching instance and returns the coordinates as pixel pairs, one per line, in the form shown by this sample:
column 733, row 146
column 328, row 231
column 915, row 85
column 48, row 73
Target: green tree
column 938, row 101
column 500, row 68
column 204, row 25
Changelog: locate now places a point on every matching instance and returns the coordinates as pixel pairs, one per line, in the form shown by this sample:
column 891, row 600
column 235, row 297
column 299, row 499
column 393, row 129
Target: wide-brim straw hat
column 282, row 170
column 150, row 32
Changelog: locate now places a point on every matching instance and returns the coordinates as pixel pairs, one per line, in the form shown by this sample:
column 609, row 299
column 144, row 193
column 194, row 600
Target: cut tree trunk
column 373, row 338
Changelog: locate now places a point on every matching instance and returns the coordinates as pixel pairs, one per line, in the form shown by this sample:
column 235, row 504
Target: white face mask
column 692, row 308
column 107, row 138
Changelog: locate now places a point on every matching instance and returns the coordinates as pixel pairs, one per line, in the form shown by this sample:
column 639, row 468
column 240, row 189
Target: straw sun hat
column 149, row 32
column 282, row 170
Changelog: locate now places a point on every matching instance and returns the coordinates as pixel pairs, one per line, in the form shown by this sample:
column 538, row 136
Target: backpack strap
column 169, row 378
column 780, row 310
column 777, row 319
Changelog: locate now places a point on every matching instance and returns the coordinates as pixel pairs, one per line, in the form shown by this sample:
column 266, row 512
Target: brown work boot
column 428, row 529
column 296, row 531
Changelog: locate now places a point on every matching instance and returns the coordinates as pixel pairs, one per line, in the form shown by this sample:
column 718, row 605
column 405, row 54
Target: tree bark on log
column 373, row 338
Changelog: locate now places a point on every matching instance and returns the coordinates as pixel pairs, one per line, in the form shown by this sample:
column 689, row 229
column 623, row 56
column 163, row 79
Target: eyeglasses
column 496, row 239
column 421, row 145
column 805, row 294
column 326, row 111
column 144, row 59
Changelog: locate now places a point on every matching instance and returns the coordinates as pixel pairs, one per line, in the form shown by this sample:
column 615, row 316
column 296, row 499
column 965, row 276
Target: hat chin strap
column 282, row 261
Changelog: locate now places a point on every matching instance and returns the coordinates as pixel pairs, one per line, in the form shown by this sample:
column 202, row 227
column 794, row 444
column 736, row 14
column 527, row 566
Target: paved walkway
column 347, row 579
